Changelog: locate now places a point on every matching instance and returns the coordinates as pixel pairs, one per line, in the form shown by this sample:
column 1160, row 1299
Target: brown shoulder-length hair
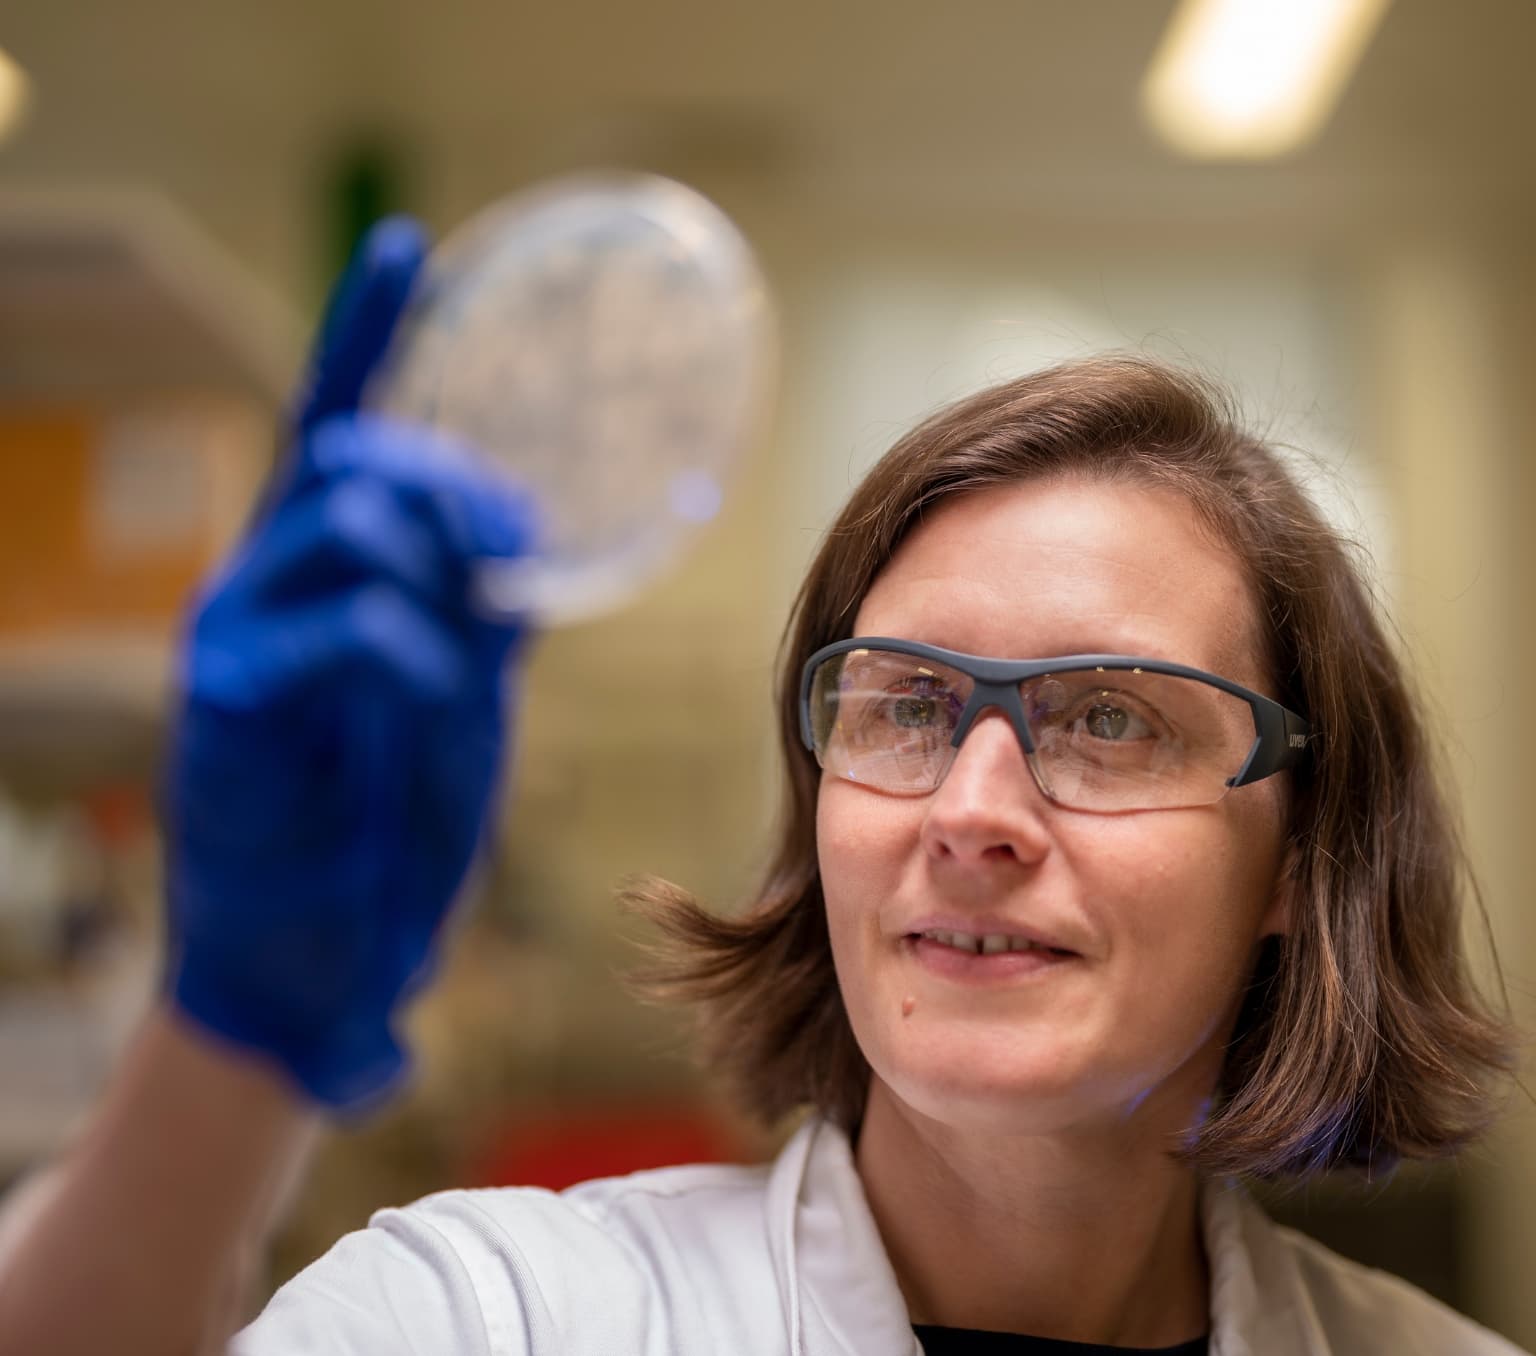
column 1362, row 1039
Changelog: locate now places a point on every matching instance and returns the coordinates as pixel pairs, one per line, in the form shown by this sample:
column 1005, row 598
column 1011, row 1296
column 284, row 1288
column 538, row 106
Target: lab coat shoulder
column 660, row 1262
column 1276, row 1292
column 1363, row 1309
column 400, row 1285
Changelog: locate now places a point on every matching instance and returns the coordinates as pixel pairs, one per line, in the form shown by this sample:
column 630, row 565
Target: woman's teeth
column 990, row 944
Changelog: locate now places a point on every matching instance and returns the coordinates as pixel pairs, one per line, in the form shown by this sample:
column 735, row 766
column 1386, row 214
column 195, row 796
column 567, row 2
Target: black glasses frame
column 1280, row 735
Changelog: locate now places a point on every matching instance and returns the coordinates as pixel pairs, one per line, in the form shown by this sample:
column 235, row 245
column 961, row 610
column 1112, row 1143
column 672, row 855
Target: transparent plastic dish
column 609, row 340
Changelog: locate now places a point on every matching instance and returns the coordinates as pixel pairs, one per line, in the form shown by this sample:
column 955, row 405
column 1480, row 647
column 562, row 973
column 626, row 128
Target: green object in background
column 366, row 181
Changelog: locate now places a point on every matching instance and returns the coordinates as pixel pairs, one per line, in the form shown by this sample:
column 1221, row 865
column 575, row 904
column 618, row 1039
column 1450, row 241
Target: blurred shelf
column 140, row 366
column 107, row 295
column 82, row 707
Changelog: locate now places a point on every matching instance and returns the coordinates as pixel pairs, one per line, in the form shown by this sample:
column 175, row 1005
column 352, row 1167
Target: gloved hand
column 337, row 747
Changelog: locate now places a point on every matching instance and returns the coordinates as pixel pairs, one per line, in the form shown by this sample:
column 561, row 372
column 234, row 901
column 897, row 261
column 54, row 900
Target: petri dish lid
column 609, row 340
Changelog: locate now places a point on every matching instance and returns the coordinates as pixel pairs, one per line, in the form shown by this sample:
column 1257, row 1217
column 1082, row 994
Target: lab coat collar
column 841, row 1295
column 834, row 1276
column 1259, row 1300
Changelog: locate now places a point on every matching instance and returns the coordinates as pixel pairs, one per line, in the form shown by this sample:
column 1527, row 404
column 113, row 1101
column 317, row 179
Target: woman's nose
column 988, row 809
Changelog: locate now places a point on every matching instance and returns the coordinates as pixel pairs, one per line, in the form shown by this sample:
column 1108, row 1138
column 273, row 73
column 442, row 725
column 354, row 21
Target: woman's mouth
column 983, row 956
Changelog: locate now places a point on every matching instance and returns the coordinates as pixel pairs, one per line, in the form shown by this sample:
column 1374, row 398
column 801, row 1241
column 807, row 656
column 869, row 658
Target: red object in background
column 560, row 1146
column 119, row 813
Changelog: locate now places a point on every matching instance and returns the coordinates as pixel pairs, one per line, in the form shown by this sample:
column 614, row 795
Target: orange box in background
column 108, row 518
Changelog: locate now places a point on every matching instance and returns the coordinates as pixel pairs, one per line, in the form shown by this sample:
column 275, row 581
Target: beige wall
column 1450, row 345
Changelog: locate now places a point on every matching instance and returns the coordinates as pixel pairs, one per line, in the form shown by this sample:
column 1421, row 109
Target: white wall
column 891, row 332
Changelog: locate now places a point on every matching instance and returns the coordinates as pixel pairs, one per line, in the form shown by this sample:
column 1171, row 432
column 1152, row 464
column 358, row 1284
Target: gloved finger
column 480, row 511
column 342, row 535
column 372, row 635
column 473, row 511
column 361, row 317
column 354, row 336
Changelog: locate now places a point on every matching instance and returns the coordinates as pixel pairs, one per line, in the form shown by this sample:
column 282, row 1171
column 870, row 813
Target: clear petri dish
column 609, row 340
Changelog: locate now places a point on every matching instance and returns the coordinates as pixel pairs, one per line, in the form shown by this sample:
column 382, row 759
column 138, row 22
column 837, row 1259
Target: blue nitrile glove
column 337, row 748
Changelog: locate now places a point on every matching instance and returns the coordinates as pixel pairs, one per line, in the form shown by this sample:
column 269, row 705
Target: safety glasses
column 1099, row 732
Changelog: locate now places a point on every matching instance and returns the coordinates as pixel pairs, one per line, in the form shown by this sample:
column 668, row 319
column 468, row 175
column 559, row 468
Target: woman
column 1113, row 866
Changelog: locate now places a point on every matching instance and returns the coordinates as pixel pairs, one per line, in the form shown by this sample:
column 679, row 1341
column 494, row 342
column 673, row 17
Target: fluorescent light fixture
column 1254, row 78
column 15, row 90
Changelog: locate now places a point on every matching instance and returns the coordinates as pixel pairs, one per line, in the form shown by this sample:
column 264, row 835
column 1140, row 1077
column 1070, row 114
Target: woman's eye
column 1114, row 723
column 914, row 713
column 920, row 702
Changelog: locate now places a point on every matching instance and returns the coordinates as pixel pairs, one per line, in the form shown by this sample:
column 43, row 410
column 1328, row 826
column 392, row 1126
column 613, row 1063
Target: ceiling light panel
column 1248, row 79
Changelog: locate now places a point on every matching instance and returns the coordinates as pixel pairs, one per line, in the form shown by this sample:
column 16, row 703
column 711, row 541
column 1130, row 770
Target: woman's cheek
column 839, row 858
column 862, row 842
column 863, row 849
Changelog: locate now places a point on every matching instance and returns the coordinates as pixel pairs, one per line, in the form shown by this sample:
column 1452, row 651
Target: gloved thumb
column 360, row 318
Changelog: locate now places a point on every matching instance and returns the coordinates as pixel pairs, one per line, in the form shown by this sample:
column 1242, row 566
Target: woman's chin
column 989, row 1099
column 1036, row 1094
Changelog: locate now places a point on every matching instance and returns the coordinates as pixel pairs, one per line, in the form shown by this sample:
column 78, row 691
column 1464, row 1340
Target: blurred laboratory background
column 1335, row 212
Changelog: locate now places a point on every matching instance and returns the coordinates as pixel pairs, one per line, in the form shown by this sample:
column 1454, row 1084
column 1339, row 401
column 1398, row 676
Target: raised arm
column 146, row 1235
column 335, row 753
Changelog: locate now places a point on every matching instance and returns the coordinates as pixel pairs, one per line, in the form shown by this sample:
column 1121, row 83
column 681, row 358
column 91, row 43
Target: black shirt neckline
column 939, row 1341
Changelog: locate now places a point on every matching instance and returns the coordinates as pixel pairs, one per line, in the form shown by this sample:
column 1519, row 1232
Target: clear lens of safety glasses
column 1105, row 739
column 886, row 720
column 1125, row 739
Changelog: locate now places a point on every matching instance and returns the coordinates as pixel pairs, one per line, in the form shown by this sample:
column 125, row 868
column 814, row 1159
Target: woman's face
column 1157, row 913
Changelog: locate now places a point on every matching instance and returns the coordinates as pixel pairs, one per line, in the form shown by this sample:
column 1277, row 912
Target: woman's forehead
column 1069, row 566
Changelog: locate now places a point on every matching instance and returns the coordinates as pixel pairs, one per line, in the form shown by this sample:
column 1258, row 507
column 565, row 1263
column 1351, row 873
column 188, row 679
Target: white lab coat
column 751, row 1261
